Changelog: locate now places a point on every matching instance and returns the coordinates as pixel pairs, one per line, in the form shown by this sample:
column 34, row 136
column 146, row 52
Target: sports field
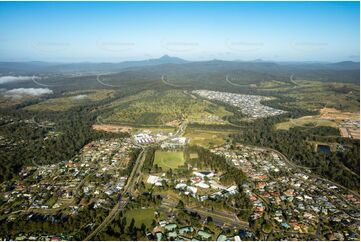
column 169, row 159
column 206, row 138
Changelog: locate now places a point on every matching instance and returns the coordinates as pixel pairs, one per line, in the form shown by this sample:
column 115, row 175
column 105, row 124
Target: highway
column 122, row 201
column 103, row 83
column 219, row 218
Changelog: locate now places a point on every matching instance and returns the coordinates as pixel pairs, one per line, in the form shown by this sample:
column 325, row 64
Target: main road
column 219, row 217
column 123, row 198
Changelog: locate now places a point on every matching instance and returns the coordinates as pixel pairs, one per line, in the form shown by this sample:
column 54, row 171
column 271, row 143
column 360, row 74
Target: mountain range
column 346, row 71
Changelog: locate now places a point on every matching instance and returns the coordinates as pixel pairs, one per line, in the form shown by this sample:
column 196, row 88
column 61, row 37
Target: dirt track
column 112, row 128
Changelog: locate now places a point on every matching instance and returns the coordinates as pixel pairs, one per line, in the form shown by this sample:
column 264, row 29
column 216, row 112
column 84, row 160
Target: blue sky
column 118, row 31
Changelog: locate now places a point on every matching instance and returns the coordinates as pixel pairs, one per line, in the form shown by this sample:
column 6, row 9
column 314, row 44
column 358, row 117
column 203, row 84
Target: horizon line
column 184, row 59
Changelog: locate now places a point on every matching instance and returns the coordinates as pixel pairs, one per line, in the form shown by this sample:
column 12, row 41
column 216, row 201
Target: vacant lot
column 140, row 216
column 112, row 128
column 334, row 114
column 169, row 159
column 193, row 156
column 154, row 131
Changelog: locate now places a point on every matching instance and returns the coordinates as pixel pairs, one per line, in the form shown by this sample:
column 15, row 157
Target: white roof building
column 152, row 179
column 180, row 140
column 202, row 185
column 192, row 189
column 158, row 184
column 232, row 189
column 203, row 174
column 215, row 185
column 180, row 186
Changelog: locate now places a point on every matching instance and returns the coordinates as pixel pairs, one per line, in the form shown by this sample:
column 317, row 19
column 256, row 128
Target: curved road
column 231, row 83
column 168, row 83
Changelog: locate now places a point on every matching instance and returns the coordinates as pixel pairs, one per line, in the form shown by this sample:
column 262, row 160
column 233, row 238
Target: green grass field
column 169, row 159
column 206, row 138
column 140, row 216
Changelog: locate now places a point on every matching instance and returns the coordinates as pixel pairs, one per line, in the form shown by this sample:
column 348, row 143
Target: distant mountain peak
column 166, row 59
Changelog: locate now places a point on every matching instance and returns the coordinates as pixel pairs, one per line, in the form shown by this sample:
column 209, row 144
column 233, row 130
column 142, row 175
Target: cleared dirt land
column 334, row 114
column 112, row 128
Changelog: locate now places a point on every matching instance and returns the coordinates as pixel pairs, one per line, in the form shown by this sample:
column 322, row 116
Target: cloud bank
column 79, row 97
column 19, row 92
column 6, row 79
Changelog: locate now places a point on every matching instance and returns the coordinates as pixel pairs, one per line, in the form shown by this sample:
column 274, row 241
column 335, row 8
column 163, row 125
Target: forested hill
column 250, row 71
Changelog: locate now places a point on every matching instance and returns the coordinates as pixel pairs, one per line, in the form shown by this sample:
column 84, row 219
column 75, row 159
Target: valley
column 246, row 161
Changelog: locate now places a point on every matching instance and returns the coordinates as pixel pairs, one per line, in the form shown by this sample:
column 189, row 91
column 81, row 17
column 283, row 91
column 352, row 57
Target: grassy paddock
column 307, row 121
column 140, row 216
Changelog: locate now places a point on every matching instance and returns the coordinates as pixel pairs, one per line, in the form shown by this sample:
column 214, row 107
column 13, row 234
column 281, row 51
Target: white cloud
column 6, row 79
column 19, row 92
column 78, row 97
